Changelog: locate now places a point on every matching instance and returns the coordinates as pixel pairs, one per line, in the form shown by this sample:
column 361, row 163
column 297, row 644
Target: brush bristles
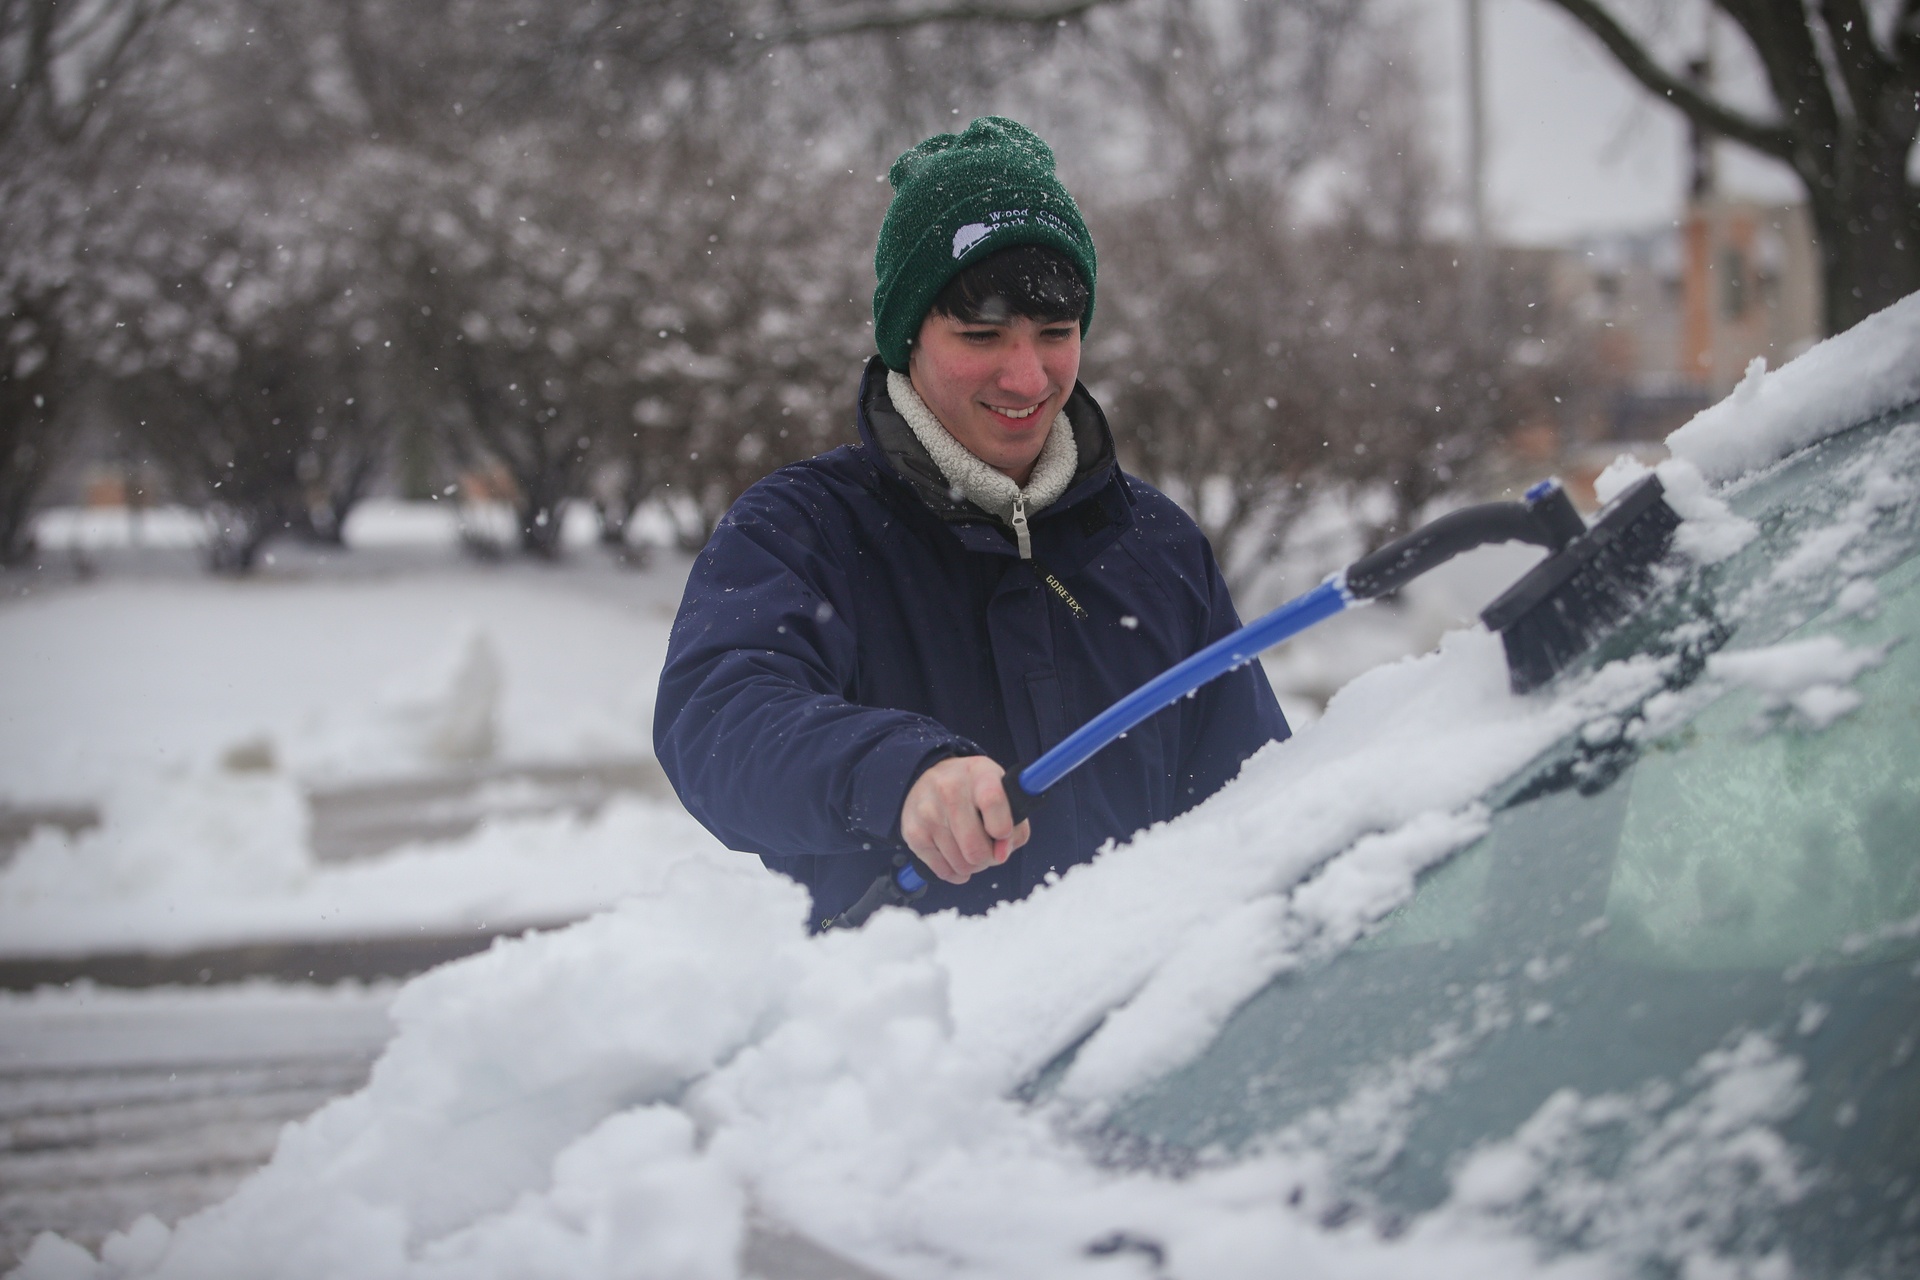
column 1571, row 600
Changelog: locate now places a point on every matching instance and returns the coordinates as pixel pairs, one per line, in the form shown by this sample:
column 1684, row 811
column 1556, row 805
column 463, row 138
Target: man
column 871, row 635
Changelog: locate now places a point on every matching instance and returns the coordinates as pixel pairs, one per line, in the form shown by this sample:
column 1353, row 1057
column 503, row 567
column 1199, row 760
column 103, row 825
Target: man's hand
column 956, row 818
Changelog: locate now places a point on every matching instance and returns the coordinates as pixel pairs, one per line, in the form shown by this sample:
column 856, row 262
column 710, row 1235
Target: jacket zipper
column 1019, row 522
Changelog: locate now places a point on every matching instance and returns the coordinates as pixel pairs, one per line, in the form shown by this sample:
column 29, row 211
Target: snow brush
column 1592, row 578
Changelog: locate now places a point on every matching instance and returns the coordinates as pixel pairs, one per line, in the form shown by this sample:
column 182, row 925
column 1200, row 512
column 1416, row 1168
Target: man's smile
column 996, row 388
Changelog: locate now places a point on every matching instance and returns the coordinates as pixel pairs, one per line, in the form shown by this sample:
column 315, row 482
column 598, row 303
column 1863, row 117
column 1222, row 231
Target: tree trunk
column 540, row 530
column 1845, row 114
column 28, row 439
column 239, row 535
column 26, row 444
column 1867, row 220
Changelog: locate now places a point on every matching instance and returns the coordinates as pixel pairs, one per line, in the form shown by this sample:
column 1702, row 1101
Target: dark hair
column 1031, row 280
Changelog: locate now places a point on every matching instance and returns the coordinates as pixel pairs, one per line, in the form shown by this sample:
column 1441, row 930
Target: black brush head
column 1575, row 596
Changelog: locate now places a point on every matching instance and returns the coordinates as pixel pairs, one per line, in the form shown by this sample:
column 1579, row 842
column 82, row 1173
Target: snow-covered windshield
column 1679, row 904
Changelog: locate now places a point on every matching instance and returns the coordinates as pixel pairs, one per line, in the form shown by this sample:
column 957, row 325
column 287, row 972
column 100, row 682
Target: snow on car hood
column 623, row 1097
column 1871, row 369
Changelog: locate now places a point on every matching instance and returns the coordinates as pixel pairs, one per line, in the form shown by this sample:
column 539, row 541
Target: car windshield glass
column 1777, row 826
column 1716, row 897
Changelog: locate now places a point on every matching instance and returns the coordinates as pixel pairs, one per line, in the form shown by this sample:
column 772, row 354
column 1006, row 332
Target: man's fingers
column 962, row 817
column 1004, row 847
column 990, row 798
column 942, row 855
column 956, row 819
column 971, row 841
column 939, row 857
column 957, row 869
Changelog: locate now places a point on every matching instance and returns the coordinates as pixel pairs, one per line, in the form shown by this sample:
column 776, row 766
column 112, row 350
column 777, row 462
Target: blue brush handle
column 1173, row 684
column 1546, row 518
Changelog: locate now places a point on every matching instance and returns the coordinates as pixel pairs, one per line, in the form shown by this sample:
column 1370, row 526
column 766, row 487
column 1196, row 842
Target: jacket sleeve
column 1238, row 712
column 754, row 724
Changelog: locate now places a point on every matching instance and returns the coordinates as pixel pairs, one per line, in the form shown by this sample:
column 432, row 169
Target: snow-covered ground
column 332, row 676
column 198, row 715
column 625, row 1096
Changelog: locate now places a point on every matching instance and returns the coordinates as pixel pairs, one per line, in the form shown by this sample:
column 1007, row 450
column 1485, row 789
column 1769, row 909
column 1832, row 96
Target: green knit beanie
column 956, row 199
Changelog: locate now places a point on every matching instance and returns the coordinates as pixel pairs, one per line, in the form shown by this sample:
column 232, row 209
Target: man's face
column 996, row 386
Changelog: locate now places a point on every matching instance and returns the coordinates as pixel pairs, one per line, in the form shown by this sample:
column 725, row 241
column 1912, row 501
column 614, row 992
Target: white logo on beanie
column 1003, row 219
column 968, row 236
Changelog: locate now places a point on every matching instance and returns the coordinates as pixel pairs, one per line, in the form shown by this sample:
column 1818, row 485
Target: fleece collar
column 898, row 452
column 972, row 478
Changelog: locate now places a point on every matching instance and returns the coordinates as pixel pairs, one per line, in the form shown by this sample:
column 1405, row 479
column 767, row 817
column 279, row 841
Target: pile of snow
column 1871, row 369
column 453, row 714
column 374, row 523
column 218, row 859
column 1849, row 379
column 1809, row 676
column 70, row 530
column 195, row 717
column 339, row 679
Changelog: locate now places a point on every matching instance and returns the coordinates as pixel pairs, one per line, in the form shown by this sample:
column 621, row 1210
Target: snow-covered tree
column 244, row 341
column 36, row 263
column 59, row 64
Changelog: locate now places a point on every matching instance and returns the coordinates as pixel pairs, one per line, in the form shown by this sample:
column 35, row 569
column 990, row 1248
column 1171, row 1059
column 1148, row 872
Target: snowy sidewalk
column 334, row 770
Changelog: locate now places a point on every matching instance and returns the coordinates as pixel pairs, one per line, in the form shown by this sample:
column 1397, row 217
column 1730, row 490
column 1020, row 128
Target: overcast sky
column 1574, row 145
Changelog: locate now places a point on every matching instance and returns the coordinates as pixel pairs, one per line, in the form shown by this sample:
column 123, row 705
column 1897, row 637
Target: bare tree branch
column 47, row 33
column 1868, row 71
column 1906, row 42
column 1798, row 68
column 904, row 20
column 1773, row 139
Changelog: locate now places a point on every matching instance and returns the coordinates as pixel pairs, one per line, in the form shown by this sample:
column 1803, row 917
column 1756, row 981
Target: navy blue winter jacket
column 850, row 623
